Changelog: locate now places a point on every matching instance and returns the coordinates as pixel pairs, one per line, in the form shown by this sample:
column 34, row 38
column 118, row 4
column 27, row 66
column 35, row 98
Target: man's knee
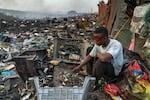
column 97, row 69
column 97, row 64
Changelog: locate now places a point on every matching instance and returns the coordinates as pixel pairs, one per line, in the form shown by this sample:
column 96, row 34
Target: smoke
column 24, row 5
column 52, row 6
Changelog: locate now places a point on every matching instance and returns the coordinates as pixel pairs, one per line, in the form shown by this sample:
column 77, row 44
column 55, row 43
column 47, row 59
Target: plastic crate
column 64, row 93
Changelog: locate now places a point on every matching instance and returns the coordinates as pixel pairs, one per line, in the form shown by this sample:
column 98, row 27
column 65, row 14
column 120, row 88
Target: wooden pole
column 118, row 33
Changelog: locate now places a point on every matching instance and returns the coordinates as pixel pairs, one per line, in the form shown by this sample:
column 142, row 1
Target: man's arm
column 104, row 57
column 85, row 61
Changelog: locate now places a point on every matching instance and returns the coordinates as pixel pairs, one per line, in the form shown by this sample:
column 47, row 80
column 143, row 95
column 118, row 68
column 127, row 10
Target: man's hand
column 77, row 69
column 85, row 61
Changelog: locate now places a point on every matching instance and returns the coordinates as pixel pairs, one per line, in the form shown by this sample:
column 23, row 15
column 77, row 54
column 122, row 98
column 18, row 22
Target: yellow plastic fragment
column 54, row 62
column 138, row 88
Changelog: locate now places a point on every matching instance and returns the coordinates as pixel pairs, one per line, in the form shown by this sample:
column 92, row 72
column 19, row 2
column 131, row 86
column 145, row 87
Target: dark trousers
column 99, row 69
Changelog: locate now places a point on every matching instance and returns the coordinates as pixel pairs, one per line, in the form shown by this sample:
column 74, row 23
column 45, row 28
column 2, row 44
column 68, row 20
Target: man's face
column 99, row 39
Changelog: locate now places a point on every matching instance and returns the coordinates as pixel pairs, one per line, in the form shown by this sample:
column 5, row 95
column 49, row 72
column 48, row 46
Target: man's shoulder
column 115, row 41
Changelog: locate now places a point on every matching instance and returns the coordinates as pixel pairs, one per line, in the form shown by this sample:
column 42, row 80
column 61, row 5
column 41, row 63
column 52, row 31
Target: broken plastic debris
column 8, row 73
column 9, row 67
column 54, row 62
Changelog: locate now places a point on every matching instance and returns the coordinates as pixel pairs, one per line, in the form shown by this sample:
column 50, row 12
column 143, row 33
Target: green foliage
column 147, row 17
column 147, row 54
column 125, row 37
column 146, row 29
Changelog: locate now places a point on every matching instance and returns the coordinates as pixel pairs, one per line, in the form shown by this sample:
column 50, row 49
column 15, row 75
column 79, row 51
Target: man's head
column 100, row 36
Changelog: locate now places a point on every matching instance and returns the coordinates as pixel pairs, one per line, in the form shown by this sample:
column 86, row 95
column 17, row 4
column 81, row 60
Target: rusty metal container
column 25, row 66
column 27, row 63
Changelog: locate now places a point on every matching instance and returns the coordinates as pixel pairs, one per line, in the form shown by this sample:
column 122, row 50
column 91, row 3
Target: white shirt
column 115, row 49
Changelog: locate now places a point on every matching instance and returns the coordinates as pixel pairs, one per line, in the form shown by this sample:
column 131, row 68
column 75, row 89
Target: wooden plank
column 124, row 25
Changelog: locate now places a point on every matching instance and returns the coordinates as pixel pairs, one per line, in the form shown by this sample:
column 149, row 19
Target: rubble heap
column 28, row 46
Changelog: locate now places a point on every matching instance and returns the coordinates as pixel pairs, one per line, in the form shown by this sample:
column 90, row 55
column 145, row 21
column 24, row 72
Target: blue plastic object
column 8, row 73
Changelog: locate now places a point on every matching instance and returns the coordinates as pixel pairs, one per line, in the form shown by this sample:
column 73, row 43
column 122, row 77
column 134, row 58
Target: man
column 109, row 53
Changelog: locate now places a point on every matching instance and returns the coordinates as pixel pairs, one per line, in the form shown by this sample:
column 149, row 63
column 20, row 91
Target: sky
column 51, row 6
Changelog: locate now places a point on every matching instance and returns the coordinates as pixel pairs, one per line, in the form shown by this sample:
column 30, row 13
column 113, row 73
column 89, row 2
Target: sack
column 136, row 71
column 113, row 90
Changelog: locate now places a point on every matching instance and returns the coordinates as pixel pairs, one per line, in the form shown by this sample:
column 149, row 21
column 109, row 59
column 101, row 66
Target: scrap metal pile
column 140, row 26
column 29, row 46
